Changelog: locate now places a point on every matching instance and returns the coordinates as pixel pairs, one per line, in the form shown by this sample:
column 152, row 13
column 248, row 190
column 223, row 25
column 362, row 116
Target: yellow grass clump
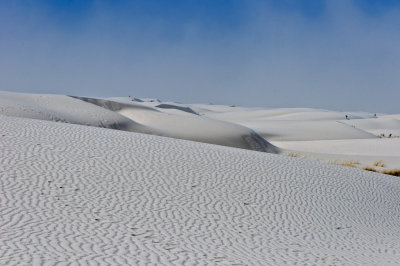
column 350, row 163
column 379, row 164
column 394, row 172
column 368, row 168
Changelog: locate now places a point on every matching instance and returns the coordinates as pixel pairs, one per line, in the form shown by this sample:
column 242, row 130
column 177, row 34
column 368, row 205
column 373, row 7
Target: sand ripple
column 74, row 195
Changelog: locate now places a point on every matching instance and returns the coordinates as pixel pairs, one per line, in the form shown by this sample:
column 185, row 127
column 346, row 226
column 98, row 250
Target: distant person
column 390, row 135
column 347, row 117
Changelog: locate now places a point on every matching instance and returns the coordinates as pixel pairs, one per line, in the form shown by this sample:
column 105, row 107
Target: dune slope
column 192, row 127
column 78, row 194
column 129, row 115
column 61, row 108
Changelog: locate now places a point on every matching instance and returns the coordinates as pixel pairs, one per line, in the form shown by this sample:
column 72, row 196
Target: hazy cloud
column 333, row 54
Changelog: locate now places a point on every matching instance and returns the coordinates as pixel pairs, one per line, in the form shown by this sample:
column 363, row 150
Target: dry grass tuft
column 371, row 169
column 379, row 164
column 393, row 172
column 353, row 164
column 292, row 154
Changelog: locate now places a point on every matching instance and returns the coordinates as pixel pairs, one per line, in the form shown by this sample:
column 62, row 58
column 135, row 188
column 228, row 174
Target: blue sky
column 334, row 54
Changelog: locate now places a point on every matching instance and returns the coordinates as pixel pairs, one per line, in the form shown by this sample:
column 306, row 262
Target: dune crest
column 194, row 128
column 131, row 115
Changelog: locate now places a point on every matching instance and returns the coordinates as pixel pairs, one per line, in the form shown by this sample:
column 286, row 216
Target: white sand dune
column 283, row 124
column 311, row 133
column 377, row 127
column 131, row 116
column 250, row 114
column 320, row 134
column 284, row 130
column 191, row 127
column 394, row 116
column 64, row 109
column 377, row 147
column 73, row 194
column 364, row 152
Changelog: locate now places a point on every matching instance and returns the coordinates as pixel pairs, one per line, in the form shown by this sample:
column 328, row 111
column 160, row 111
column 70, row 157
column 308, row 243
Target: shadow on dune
column 181, row 108
column 194, row 128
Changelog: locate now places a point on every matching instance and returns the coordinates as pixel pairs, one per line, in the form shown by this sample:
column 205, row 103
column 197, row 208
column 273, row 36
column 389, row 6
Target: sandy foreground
column 77, row 194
